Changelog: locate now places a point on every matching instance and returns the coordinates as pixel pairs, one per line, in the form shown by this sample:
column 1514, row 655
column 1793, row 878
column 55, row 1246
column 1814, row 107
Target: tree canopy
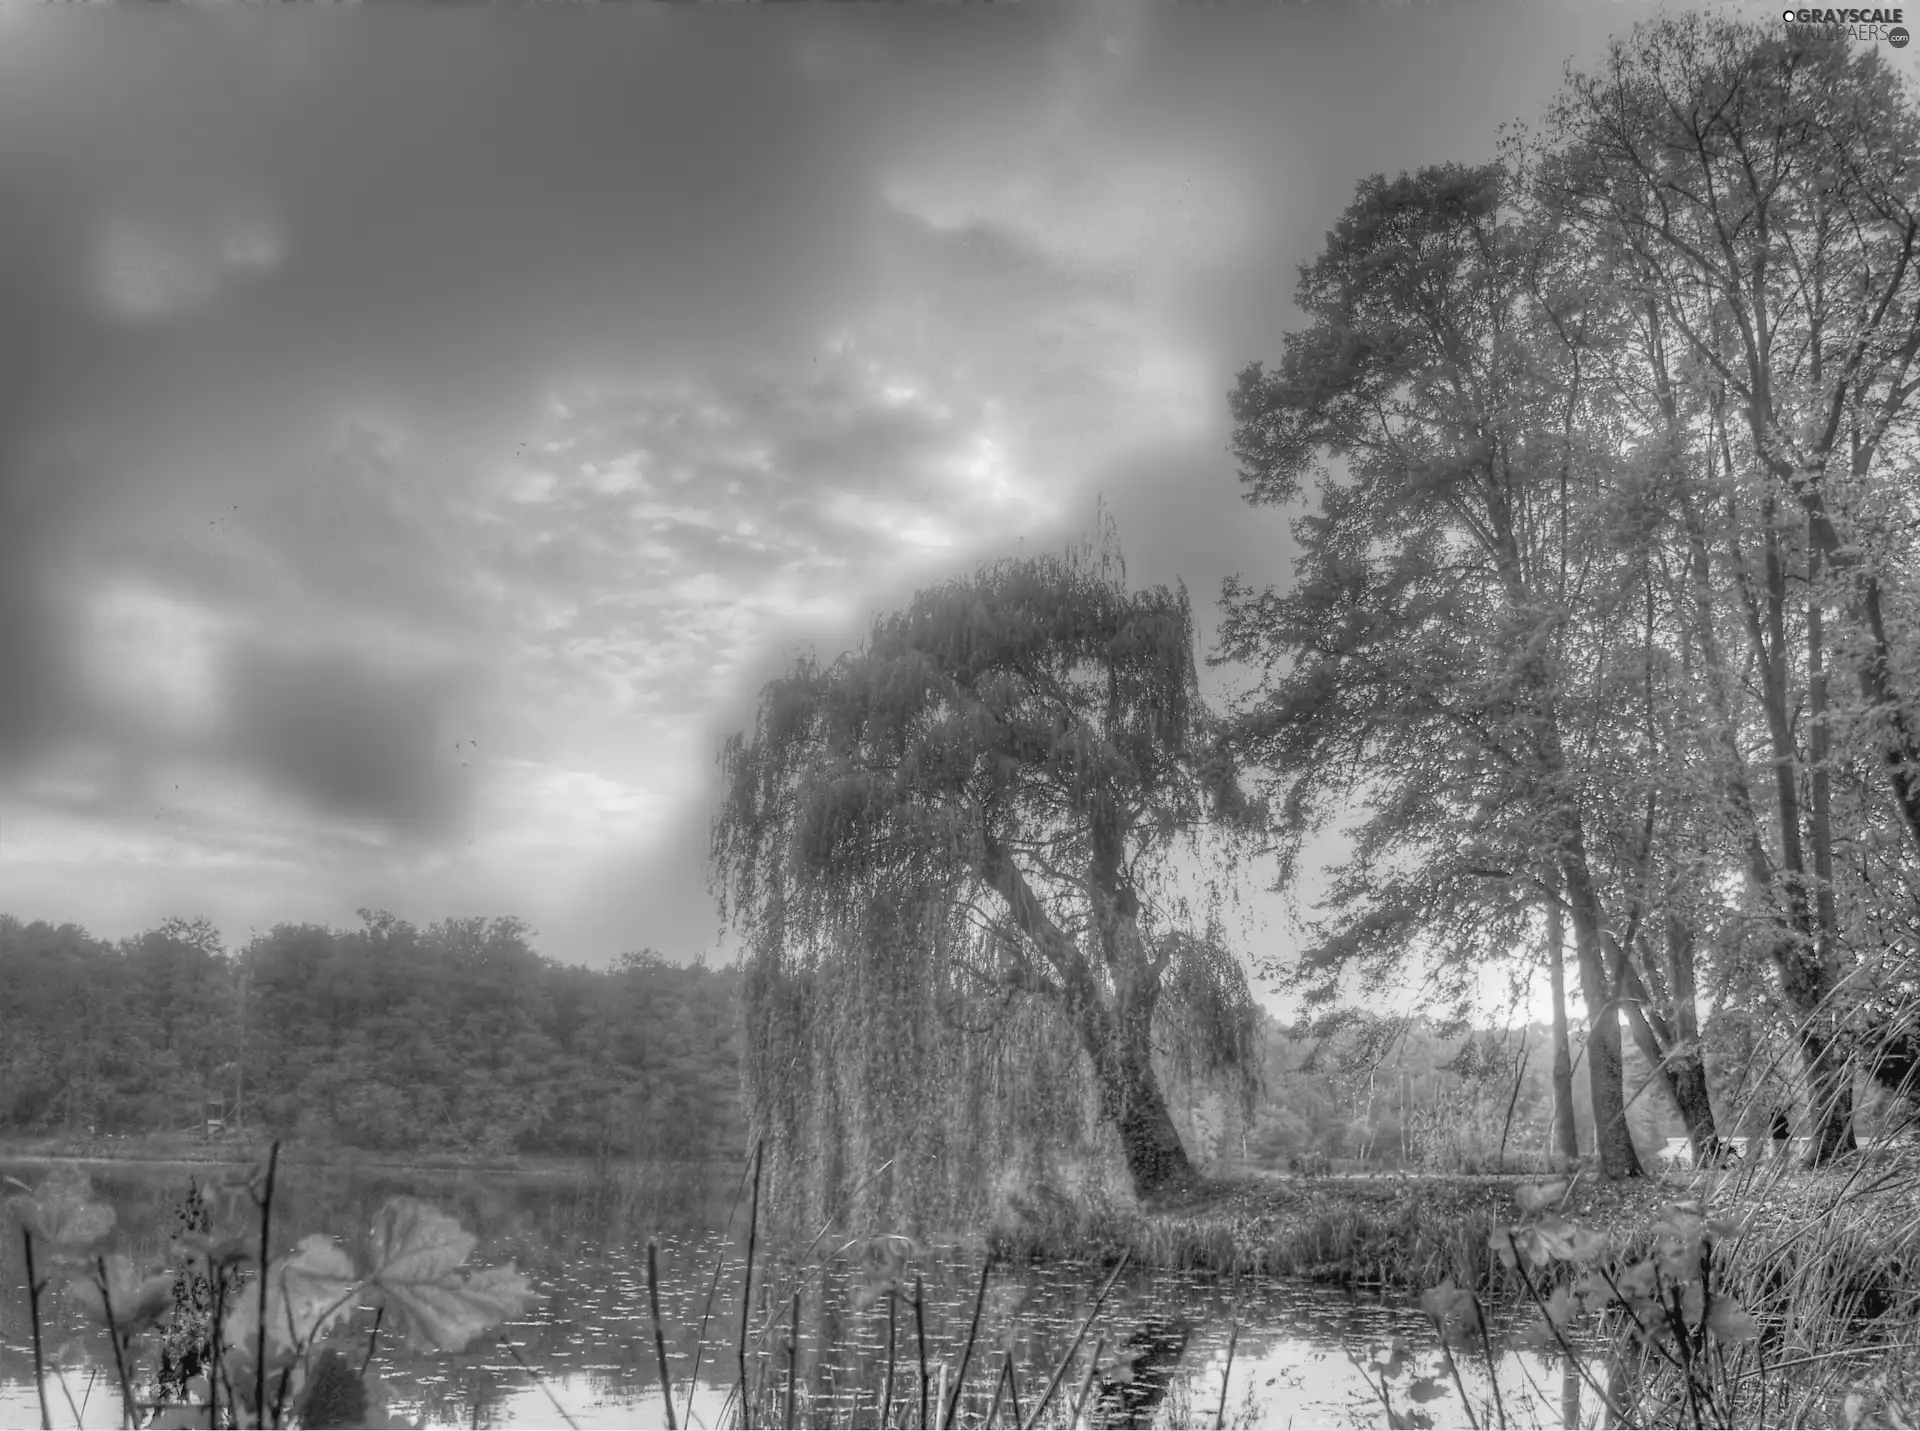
column 1599, row 447
column 999, row 780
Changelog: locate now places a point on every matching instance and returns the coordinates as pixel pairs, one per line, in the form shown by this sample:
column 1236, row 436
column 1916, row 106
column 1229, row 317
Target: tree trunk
column 1117, row 1035
column 1612, row 1139
column 1566, row 1141
column 1688, row 1082
column 1690, row 1069
column 1674, row 1055
column 1130, row 1098
column 1802, row 951
column 1831, row 1078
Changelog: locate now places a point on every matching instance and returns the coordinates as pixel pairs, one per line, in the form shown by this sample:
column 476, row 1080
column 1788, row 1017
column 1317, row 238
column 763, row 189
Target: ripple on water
column 590, row 1338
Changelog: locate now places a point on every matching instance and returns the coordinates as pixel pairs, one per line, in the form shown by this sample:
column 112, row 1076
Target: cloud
column 351, row 736
column 505, row 405
column 165, row 259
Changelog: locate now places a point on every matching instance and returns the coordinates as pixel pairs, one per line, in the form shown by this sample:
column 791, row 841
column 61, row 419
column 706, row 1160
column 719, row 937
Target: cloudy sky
column 422, row 432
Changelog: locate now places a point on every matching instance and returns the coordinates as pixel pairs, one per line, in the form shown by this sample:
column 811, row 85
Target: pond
column 585, row 1351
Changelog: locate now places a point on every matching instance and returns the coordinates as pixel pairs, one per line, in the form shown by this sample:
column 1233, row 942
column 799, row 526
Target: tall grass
column 1402, row 1241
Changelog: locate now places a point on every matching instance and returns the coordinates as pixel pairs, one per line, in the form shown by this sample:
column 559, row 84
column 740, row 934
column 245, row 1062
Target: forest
column 454, row 1039
column 1597, row 659
column 361, row 1041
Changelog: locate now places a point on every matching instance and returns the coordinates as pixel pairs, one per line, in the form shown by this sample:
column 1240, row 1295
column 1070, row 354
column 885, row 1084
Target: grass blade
column 920, row 1333
column 966, row 1352
column 886, row 1398
column 793, row 1358
column 659, row 1337
column 1086, row 1383
column 1059, row 1371
column 746, row 1286
column 1233, row 1340
column 33, row 1309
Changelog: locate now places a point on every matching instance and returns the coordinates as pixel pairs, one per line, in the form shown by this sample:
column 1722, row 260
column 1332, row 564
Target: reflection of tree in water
column 588, row 1336
column 1148, row 1359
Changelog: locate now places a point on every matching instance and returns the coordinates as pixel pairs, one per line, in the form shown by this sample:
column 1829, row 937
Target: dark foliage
column 458, row 1039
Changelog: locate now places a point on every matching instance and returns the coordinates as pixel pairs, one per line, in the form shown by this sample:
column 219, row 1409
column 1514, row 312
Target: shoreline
column 1394, row 1232
column 297, row 1155
column 1410, row 1232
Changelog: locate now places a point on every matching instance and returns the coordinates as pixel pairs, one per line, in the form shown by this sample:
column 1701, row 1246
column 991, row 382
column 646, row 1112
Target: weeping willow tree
column 953, row 859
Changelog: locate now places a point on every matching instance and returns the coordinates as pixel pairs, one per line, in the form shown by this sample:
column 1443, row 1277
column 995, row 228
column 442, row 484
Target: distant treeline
column 1388, row 1091
column 457, row 1038
column 1392, row 1092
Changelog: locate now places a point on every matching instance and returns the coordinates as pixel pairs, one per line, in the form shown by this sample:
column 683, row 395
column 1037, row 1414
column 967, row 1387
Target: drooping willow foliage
column 893, row 1093
column 969, row 959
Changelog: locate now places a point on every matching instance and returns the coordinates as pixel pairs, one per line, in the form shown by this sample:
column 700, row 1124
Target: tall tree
column 1758, row 202
column 1015, row 761
column 1422, row 662
column 1566, row 1141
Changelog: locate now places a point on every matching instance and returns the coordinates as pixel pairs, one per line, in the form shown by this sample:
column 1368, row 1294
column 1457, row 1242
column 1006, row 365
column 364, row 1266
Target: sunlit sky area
column 423, row 431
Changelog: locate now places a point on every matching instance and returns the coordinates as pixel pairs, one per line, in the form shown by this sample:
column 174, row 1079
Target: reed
column 659, row 1336
column 1374, row 1239
column 746, row 1285
column 966, row 1352
column 34, row 1288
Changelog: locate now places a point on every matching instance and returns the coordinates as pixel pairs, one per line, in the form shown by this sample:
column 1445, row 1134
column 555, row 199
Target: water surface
column 1300, row 1356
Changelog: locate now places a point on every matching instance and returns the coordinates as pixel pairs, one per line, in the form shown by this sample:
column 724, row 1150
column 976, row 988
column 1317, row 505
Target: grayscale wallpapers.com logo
column 1888, row 25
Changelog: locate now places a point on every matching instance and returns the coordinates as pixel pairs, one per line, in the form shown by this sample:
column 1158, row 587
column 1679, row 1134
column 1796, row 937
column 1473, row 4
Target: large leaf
column 307, row 1293
column 417, row 1251
column 1552, row 1238
column 135, row 1303
column 1563, row 1240
column 62, row 1211
column 1681, row 1233
column 1456, row 1312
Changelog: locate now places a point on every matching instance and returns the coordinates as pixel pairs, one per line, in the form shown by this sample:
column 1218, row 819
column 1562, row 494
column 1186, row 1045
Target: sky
column 423, row 431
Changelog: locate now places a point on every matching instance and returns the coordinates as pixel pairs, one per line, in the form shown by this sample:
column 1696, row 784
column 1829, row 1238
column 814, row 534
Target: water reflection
column 1302, row 1355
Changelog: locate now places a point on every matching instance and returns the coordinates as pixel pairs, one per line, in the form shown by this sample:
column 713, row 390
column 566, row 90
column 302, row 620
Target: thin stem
column 1669, row 1298
column 221, row 1284
column 966, row 1352
column 793, row 1357
column 373, row 1338
column 260, row 1332
column 713, row 1286
column 746, row 1287
column 886, row 1398
column 1458, row 1385
column 113, row 1336
column 1013, row 1388
column 1566, row 1348
column 1061, row 1370
column 1486, row 1348
column 33, row 1311
column 659, row 1337
column 79, row 1417
column 999, row 1389
column 920, row 1336
column 1645, row 1333
column 1086, row 1383
column 1233, row 1340
column 281, row 1387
